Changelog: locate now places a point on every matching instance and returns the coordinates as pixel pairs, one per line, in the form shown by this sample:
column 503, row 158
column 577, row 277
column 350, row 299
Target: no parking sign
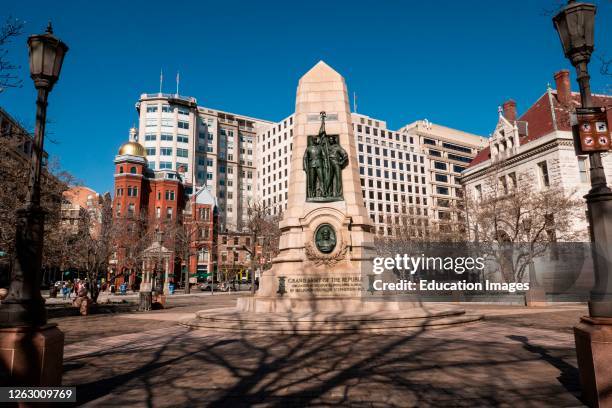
column 591, row 130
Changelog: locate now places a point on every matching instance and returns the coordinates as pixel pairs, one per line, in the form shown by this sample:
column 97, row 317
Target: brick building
column 201, row 218
column 147, row 211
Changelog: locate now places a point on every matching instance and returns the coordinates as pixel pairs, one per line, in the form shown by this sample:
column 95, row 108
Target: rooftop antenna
column 178, row 77
column 161, row 79
column 355, row 101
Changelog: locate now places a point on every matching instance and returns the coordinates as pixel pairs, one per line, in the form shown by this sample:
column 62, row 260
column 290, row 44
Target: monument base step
column 231, row 319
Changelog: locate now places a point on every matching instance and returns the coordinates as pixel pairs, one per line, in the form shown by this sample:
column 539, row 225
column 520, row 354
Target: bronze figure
column 323, row 162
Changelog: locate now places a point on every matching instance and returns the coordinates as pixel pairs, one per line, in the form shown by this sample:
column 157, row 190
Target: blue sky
column 448, row 61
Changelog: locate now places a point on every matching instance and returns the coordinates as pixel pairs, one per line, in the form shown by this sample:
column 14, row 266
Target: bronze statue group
column 324, row 160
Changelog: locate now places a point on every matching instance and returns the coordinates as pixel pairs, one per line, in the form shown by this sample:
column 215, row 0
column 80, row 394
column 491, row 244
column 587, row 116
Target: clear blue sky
column 452, row 62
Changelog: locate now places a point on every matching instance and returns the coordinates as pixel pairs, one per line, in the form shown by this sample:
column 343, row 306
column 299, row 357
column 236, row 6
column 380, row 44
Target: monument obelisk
column 326, row 239
column 317, row 282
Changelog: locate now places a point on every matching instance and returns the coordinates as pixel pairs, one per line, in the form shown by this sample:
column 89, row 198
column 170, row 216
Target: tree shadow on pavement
column 418, row 367
column 569, row 375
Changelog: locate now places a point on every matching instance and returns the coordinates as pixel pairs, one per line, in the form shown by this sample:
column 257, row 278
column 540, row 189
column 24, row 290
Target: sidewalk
column 516, row 356
column 106, row 297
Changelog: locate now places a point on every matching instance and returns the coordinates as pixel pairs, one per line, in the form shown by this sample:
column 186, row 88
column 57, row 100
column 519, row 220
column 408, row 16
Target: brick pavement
column 516, row 357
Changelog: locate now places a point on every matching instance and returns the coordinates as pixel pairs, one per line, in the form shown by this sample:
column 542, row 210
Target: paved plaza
column 515, row 357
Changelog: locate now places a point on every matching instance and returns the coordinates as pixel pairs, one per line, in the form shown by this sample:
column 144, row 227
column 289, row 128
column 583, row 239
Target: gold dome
column 133, row 149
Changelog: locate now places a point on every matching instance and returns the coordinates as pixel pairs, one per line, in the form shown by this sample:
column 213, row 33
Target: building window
column 120, row 169
column 150, row 137
column 133, row 170
column 439, row 165
column 478, row 190
column 442, row 190
column 151, row 151
column 166, row 137
column 503, row 184
column 169, row 213
column 165, row 165
column 429, row 141
column 459, row 158
column 170, row 195
column 131, row 208
column 182, row 139
column 166, row 108
column 152, row 108
column 157, row 212
column 442, row 177
column 165, row 151
column 183, row 124
column 182, row 152
column 544, row 178
column 183, row 111
column 457, row 148
column 512, row 177
column 583, row 169
column 205, row 214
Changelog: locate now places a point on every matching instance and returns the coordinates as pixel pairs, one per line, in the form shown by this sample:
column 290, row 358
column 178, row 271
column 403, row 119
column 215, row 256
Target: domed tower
column 130, row 169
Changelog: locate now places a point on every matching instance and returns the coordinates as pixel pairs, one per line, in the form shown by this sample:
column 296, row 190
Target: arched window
column 133, row 170
column 120, row 169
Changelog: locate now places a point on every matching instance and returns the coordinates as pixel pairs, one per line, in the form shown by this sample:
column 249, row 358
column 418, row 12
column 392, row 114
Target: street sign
column 591, row 130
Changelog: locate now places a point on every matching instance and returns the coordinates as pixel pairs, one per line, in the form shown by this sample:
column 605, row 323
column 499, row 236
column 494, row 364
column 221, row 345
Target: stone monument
column 317, row 281
column 326, row 232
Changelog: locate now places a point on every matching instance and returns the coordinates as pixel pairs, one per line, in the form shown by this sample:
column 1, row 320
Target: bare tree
column 15, row 147
column 11, row 29
column 263, row 229
column 517, row 222
column 92, row 244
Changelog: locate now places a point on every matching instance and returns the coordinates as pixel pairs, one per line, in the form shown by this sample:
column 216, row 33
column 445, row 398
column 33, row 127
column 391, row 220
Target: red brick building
column 159, row 229
column 147, row 209
column 203, row 243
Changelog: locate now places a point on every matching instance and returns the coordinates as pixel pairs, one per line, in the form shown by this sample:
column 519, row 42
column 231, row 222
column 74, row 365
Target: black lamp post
column 575, row 25
column 24, row 305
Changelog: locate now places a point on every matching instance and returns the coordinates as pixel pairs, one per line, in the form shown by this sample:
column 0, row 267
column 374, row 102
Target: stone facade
column 537, row 148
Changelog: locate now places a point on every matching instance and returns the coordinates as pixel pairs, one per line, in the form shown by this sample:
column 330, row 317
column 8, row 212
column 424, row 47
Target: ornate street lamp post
column 575, row 25
column 24, row 303
column 22, row 314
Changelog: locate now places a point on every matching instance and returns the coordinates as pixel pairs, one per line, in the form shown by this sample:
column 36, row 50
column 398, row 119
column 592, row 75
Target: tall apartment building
column 396, row 169
column 211, row 147
column 448, row 152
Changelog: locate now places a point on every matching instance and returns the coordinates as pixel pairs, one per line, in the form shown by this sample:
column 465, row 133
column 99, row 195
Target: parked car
column 217, row 287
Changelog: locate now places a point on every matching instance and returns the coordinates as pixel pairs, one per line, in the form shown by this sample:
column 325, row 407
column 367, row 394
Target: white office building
column 210, row 147
column 396, row 170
